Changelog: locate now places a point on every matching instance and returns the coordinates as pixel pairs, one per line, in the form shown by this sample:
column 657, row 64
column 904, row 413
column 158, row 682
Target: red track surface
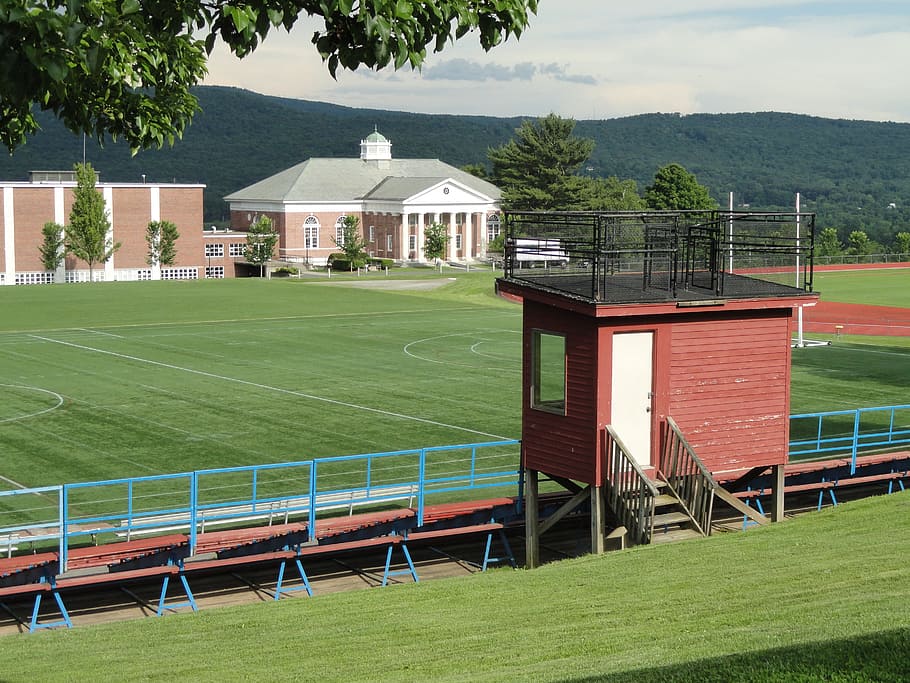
column 829, row 317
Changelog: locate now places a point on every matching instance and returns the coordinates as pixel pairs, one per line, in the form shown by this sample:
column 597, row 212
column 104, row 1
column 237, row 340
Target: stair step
column 665, row 499
column 670, row 518
column 674, row 535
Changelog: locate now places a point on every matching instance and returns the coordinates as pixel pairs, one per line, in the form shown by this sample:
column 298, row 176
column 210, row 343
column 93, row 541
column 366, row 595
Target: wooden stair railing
column 687, row 477
column 629, row 493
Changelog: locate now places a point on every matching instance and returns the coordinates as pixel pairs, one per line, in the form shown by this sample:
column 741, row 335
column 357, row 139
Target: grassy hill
column 849, row 172
column 817, row 598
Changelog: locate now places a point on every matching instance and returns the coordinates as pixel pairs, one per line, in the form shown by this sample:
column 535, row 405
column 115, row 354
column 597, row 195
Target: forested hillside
column 854, row 174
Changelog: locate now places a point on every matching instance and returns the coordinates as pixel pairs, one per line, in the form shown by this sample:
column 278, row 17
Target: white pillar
column 155, row 215
column 453, row 254
column 468, row 241
column 420, row 239
column 403, row 231
column 482, row 234
column 109, row 207
column 9, row 237
column 60, row 219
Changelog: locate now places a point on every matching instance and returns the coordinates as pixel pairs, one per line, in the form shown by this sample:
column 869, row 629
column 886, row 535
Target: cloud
column 471, row 70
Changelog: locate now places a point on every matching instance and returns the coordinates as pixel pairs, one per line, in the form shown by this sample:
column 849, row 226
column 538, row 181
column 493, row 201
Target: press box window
column 548, row 383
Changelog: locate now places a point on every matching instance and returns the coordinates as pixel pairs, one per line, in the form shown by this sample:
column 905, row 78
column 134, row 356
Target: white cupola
column 376, row 147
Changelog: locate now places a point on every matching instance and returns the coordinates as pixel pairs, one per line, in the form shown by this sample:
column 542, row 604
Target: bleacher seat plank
column 453, row 531
column 114, row 553
column 115, row 577
column 216, row 541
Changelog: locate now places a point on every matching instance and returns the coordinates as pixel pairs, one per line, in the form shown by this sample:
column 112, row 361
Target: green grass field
column 131, row 379
column 811, row 600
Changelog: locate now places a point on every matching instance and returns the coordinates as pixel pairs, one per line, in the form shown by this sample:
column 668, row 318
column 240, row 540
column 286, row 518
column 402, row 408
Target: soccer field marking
column 493, row 356
column 218, row 321
column 266, row 387
column 18, row 418
column 106, row 334
column 407, row 348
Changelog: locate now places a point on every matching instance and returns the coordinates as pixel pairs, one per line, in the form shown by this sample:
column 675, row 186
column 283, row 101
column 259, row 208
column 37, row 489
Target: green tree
column 52, row 247
column 536, row 169
column 125, row 67
column 610, row 194
column 859, row 242
column 435, row 240
column 161, row 237
column 87, row 233
column 261, row 239
column 902, row 243
column 675, row 189
column 476, row 170
column 827, row 243
column 352, row 243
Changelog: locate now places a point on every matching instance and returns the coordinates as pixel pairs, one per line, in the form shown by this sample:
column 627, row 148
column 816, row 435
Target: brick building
column 394, row 200
column 48, row 197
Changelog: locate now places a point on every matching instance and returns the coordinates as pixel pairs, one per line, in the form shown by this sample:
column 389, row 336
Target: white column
column 60, row 219
column 453, row 254
column 482, row 233
column 420, row 239
column 9, row 237
column 468, row 236
column 109, row 207
column 155, row 215
column 403, row 247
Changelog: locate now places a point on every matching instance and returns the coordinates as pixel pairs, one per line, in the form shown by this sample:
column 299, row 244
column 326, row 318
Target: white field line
column 39, row 412
column 267, row 387
column 218, row 321
column 106, row 334
column 407, row 349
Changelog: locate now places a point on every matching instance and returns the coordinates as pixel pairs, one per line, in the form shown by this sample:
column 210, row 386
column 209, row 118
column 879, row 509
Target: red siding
column 729, row 387
column 563, row 445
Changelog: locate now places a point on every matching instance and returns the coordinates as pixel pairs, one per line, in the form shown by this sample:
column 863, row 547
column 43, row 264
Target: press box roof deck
column 633, row 317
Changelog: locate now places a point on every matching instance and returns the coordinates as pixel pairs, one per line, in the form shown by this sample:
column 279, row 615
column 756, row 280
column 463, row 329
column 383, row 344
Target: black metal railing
column 659, row 256
column 630, row 494
column 686, row 476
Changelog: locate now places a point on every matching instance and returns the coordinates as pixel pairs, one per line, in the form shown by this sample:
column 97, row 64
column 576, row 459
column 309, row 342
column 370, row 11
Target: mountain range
column 854, row 174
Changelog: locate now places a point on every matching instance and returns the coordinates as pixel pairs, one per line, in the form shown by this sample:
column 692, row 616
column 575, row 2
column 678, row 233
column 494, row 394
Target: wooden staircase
column 670, row 521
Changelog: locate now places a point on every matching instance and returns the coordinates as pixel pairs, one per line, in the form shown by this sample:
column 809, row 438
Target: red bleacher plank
column 457, row 509
column 116, row 577
column 113, row 553
column 24, row 589
column 213, row 541
column 20, row 563
column 872, row 478
column 332, row 526
column 328, row 548
column 223, row 563
column 456, row 531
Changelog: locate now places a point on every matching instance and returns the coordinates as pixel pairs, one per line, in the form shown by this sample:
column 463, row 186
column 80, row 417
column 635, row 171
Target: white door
column 632, row 392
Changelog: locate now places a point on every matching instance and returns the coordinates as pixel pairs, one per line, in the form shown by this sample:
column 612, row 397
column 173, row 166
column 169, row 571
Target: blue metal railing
column 191, row 500
column 849, row 431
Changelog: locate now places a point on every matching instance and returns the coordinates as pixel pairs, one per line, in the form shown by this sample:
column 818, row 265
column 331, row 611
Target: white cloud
column 590, row 59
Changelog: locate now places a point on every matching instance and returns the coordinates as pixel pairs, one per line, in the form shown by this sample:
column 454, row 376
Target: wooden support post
column 777, row 494
column 598, row 537
column 532, row 535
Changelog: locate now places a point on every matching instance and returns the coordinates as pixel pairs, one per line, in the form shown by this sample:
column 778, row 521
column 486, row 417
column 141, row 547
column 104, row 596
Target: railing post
column 855, row 442
column 421, row 485
column 64, row 527
column 312, row 512
column 194, row 510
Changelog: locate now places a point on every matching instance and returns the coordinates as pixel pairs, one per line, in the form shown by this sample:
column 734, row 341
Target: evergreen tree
column 352, row 243
column 536, row 169
column 52, row 248
column 87, row 233
column 261, row 239
column 675, row 189
column 435, row 239
column 161, row 237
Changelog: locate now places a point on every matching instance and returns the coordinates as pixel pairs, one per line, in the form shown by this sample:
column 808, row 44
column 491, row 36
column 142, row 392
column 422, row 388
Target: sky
column 602, row 59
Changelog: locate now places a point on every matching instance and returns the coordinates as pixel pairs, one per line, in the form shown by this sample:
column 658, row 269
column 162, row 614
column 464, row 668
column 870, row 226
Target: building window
column 457, row 241
column 494, row 227
column 237, row 249
column 389, row 243
column 216, row 272
column 214, row 250
column 311, row 233
column 548, row 372
column 372, row 233
column 412, row 243
column 339, row 231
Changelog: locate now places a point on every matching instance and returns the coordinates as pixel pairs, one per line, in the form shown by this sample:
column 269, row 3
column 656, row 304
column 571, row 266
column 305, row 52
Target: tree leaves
column 124, row 68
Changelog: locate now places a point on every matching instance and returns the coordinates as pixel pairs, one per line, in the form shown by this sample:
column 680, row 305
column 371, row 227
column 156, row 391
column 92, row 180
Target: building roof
column 345, row 180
